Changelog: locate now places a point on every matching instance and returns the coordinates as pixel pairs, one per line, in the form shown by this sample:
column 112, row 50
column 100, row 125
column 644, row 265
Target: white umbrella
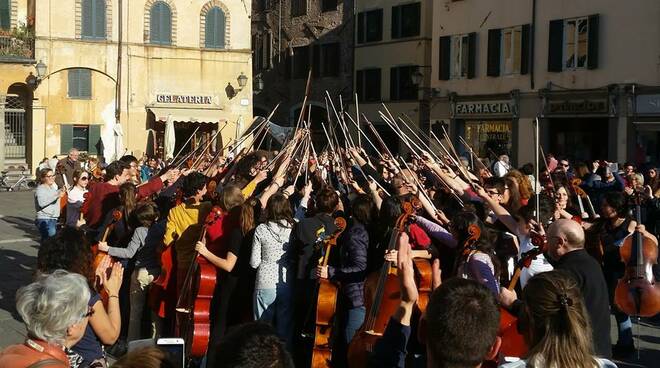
column 108, row 133
column 170, row 138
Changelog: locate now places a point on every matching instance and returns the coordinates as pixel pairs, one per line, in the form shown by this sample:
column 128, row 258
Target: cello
column 99, row 255
column 637, row 293
column 326, row 305
column 382, row 295
column 194, row 304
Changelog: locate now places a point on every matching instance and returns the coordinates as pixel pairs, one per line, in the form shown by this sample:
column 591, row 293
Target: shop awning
column 187, row 115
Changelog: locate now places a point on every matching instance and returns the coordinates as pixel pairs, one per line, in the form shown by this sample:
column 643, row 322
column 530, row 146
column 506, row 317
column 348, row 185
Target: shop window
column 80, row 83
column 573, row 43
column 300, row 60
column 93, row 19
column 370, row 26
column 488, row 136
column 214, row 28
column 406, row 20
column 367, row 85
column 401, row 84
column 328, row 5
column 325, row 60
column 298, row 8
column 5, row 14
column 85, row 138
column 160, row 24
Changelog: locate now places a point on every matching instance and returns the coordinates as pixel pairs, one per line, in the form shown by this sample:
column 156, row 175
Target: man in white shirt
column 501, row 167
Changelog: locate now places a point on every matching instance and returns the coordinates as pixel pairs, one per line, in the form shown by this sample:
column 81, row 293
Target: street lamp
column 417, row 77
column 258, row 84
column 41, row 70
column 242, row 81
column 33, row 81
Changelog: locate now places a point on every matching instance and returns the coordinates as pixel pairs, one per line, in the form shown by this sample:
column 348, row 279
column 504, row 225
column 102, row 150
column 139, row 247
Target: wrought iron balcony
column 16, row 45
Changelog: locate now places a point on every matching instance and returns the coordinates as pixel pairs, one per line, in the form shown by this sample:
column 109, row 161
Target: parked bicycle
column 23, row 182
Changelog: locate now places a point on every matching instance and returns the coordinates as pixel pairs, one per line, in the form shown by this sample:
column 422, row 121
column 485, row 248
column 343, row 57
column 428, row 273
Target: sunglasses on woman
column 84, row 178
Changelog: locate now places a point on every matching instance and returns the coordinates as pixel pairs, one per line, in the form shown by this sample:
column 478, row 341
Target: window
column 401, row 85
column 325, row 60
column 511, row 50
column 80, row 83
column 298, row 8
column 459, row 56
column 406, row 20
column 93, row 19
column 215, row 29
column 328, row 5
column 5, row 14
column 83, row 137
column 300, row 61
column 80, row 138
column 367, row 85
column 160, row 31
column 370, row 26
column 262, row 48
column 575, row 43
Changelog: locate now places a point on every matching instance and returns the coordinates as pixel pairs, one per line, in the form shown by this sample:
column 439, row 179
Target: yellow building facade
column 180, row 62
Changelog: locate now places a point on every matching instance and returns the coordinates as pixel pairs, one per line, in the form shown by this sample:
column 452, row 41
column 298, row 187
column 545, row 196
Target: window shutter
column 379, row 21
column 444, row 60
column 316, row 61
column 494, row 40
column 94, row 140
column 359, row 84
column 209, row 29
column 165, row 24
column 556, row 45
column 84, row 83
column 66, row 137
column 396, row 21
column 268, row 51
column 524, row 49
column 472, row 57
column 375, row 82
column 592, row 52
column 394, row 84
column 155, row 23
column 215, row 28
column 74, row 82
column 5, row 14
column 87, row 18
column 360, row 28
column 220, row 28
column 99, row 19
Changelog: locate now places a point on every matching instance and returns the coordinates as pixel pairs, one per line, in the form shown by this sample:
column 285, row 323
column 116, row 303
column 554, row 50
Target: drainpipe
column 2, row 133
column 532, row 46
column 119, row 62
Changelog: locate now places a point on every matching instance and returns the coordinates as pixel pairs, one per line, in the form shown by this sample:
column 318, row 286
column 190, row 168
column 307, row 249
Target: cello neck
column 380, row 288
column 639, row 243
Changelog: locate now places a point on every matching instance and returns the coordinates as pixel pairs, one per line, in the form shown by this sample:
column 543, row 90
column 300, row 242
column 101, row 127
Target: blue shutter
column 166, row 25
column 161, row 24
column 5, row 14
column 215, row 28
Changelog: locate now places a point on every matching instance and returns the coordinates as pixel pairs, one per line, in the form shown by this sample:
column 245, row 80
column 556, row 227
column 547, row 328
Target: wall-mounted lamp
column 33, row 81
column 242, row 82
column 258, row 85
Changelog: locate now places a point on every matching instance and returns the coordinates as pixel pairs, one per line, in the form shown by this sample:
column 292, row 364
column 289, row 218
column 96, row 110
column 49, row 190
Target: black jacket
column 589, row 276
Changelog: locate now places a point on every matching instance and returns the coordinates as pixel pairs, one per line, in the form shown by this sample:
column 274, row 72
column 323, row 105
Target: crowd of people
column 261, row 219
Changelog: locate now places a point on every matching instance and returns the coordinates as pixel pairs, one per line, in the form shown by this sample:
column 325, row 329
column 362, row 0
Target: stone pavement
column 18, row 255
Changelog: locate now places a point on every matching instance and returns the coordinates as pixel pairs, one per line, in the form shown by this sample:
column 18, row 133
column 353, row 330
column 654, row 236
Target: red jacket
column 103, row 197
column 23, row 355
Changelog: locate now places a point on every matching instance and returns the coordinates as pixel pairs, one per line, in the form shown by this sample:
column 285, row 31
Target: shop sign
column 184, row 99
column 583, row 106
column 483, row 108
column 647, row 104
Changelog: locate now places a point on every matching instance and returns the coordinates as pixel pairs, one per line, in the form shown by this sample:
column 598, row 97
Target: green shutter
column 215, row 28
column 66, row 138
column 5, row 14
column 94, row 139
column 74, row 82
column 396, row 21
column 87, row 24
column 556, row 45
column 525, row 49
column 166, row 25
column 154, row 24
column 210, row 29
column 592, row 51
column 99, row 19
column 161, row 24
column 472, row 54
column 494, row 38
column 85, row 86
column 444, row 58
column 360, row 28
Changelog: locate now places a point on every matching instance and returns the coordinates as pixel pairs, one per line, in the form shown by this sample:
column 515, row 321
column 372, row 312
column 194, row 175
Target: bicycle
column 22, row 183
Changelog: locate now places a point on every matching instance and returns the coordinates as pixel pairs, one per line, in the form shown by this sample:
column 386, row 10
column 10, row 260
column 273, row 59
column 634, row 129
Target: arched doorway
column 18, row 124
column 316, row 115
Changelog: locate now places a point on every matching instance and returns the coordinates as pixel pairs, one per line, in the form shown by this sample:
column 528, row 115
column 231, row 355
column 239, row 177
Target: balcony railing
column 16, row 45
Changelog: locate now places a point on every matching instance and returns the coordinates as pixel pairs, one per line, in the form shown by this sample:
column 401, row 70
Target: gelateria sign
column 184, row 99
column 488, row 108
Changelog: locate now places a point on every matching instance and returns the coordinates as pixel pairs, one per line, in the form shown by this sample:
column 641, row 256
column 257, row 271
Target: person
column 252, row 345
column 459, row 327
column 76, row 198
column 273, row 256
column 47, row 204
column 66, row 167
column 566, row 248
column 654, row 181
column 141, row 250
column 558, row 331
column 501, row 166
column 55, row 312
column 70, row 251
column 133, row 172
column 148, row 169
column 147, row 357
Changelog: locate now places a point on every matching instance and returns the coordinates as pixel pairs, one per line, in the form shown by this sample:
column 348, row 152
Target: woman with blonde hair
column 555, row 325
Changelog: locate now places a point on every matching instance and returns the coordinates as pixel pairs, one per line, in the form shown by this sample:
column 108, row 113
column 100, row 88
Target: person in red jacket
column 103, row 197
column 54, row 309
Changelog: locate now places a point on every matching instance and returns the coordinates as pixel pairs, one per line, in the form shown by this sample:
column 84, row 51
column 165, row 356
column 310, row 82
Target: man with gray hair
column 566, row 249
column 66, row 167
column 502, row 166
column 54, row 309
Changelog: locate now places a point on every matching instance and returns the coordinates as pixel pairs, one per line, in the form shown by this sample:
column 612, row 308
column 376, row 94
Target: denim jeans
column 275, row 306
column 349, row 322
column 47, row 227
